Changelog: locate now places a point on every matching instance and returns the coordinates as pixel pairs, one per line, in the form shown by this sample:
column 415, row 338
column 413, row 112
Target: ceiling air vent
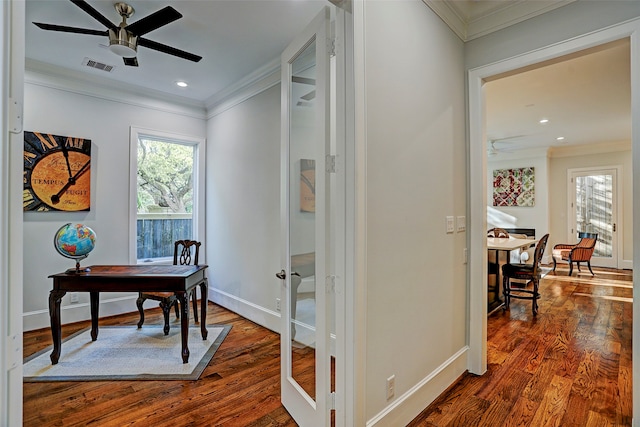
column 92, row 63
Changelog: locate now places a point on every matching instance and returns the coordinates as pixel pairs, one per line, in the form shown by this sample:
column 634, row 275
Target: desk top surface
column 131, row 271
column 508, row 243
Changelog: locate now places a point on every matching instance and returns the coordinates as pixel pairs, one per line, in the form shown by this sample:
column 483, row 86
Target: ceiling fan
column 124, row 39
column 492, row 150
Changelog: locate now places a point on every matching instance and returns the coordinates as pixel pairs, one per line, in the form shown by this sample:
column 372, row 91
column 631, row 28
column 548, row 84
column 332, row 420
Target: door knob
column 282, row 275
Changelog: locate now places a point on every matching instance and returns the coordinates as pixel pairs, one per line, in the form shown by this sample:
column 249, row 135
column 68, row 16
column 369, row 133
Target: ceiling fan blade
column 154, row 21
column 131, row 62
column 94, row 13
column 168, row 49
column 76, row 30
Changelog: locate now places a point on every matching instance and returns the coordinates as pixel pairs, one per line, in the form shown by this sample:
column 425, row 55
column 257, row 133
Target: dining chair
column 497, row 232
column 185, row 252
column 530, row 273
column 579, row 252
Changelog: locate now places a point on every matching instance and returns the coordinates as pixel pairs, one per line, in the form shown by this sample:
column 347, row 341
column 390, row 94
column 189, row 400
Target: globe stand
column 78, row 269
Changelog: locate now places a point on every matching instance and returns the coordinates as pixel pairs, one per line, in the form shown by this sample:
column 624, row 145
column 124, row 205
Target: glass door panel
column 305, row 123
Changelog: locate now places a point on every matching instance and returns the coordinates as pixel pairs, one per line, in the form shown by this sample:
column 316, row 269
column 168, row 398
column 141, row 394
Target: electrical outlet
column 391, row 387
column 278, row 308
column 73, row 297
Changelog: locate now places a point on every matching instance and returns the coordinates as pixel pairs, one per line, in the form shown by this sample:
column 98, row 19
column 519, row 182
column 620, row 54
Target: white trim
column 404, row 409
column 198, row 184
column 615, row 260
column 256, row 313
column 12, row 48
column 478, row 170
column 71, row 313
column 71, row 81
column 260, row 80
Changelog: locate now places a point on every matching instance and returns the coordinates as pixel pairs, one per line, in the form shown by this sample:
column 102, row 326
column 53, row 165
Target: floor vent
column 97, row 65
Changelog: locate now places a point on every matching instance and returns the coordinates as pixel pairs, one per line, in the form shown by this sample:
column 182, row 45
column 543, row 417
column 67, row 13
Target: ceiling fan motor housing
column 123, row 43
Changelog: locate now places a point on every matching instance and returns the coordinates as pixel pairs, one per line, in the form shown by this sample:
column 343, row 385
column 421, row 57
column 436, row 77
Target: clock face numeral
column 56, row 174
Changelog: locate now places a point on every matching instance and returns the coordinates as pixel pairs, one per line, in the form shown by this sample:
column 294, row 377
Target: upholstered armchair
column 580, row 252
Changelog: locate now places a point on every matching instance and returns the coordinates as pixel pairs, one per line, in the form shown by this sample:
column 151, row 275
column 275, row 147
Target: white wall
column 558, row 167
column 243, row 207
column 50, row 108
column 415, row 176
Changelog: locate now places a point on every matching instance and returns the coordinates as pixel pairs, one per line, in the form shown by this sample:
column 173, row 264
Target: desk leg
column 183, row 300
column 94, row 298
column 204, row 289
column 54, row 313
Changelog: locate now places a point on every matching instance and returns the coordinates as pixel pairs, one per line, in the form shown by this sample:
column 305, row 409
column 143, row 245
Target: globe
column 74, row 241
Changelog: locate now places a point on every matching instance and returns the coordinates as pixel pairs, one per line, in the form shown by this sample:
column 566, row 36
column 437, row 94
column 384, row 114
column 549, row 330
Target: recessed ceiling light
column 560, row 138
column 181, row 83
column 543, row 121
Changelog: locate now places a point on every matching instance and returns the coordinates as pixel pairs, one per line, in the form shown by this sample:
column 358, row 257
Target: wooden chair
column 182, row 255
column 530, row 273
column 580, row 252
column 497, row 232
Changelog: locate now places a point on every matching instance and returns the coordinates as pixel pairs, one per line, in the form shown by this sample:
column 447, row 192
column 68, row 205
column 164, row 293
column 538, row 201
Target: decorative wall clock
column 57, row 173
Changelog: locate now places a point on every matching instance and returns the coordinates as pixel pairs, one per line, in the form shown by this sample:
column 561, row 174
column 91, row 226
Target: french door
column 305, row 324
column 594, row 208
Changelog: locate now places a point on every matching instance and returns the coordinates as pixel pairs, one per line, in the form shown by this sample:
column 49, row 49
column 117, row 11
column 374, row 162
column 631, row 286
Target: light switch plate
column 461, row 223
column 450, row 225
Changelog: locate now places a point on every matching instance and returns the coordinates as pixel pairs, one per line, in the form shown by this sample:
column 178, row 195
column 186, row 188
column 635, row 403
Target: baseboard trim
column 260, row 315
column 71, row 313
column 410, row 404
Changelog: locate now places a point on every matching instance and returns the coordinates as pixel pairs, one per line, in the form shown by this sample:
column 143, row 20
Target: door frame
column 616, row 259
column 477, row 163
column 12, row 18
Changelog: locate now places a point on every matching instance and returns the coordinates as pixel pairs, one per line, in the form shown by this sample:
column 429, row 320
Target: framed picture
column 514, row 187
column 57, row 173
column 307, row 185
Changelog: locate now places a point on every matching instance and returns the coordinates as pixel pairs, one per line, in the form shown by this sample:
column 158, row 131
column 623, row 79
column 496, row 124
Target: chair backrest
column 497, row 232
column 186, row 251
column 587, row 240
column 537, row 256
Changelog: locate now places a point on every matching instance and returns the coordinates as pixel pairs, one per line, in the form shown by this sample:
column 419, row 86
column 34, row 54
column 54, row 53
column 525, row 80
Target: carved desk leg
column 204, row 288
column 183, row 299
column 54, row 313
column 94, row 298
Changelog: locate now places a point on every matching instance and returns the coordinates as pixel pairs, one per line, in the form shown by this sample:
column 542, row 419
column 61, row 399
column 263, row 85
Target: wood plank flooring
column 569, row 366
column 240, row 387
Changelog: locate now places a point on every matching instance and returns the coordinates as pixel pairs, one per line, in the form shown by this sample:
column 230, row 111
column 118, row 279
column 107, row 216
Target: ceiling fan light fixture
column 123, row 43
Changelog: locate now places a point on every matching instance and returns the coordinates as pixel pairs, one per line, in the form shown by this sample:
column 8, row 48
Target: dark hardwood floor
column 240, row 387
column 569, row 366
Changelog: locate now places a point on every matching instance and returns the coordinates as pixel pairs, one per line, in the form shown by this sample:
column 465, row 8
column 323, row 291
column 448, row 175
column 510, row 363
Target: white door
column 594, row 209
column 305, row 333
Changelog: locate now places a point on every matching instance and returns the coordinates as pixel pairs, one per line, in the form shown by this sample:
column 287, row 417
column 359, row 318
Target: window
column 166, row 193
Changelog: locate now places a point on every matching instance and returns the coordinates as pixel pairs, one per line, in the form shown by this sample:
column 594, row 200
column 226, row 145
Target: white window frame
column 198, row 186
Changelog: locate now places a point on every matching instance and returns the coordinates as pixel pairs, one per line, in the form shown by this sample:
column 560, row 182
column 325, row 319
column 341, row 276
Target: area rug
column 127, row 353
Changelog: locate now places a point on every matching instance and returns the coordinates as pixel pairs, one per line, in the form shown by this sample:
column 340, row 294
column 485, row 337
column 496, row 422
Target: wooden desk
column 505, row 244
column 180, row 279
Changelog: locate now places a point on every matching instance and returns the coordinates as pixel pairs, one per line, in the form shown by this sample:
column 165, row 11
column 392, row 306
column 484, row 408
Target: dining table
column 503, row 245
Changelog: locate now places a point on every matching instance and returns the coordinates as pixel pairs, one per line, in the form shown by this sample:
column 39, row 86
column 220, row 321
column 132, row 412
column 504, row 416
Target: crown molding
column 471, row 19
column 60, row 78
column 258, row 81
column 451, row 15
column 589, row 149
